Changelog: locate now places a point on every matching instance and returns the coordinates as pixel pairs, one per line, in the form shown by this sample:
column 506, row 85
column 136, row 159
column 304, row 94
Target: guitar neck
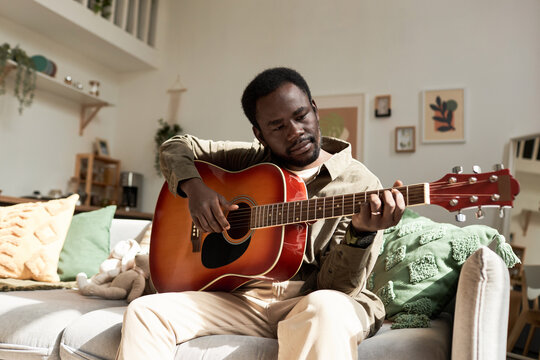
column 294, row 212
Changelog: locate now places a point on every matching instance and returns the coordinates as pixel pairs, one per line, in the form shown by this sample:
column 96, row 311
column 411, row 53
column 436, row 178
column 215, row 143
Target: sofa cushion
column 93, row 335
column 87, row 243
column 32, row 236
column 32, row 322
column 124, row 229
column 96, row 335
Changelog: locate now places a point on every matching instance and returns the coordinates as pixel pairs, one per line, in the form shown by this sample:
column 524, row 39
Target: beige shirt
column 327, row 264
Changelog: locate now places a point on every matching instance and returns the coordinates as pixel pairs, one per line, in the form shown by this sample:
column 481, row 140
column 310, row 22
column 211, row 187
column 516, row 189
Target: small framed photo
column 443, row 118
column 102, row 147
column 383, row 106
column 405, row 139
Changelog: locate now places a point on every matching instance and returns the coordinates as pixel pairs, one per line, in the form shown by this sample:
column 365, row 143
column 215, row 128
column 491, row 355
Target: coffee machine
column 131, row 183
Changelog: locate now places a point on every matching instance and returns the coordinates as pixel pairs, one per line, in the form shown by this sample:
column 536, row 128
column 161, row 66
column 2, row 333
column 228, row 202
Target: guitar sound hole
column 239, row 221
column 217, row 251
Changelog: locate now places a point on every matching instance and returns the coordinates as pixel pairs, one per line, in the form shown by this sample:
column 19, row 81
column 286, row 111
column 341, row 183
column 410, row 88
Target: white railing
column 136, row 17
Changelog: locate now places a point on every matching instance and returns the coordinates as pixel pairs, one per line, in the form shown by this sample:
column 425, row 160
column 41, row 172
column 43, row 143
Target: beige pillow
column 32, row 236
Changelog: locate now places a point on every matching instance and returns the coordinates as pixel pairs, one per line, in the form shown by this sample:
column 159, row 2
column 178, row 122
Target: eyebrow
column 297, row 112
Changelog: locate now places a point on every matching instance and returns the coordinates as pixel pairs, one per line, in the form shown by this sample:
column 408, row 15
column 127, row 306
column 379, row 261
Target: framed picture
column 342, row 117
column 383, row 106
column 405, row 139
column 101, row 147
column 443, row 115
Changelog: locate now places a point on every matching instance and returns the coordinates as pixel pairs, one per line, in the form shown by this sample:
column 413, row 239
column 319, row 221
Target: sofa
column 63, row 324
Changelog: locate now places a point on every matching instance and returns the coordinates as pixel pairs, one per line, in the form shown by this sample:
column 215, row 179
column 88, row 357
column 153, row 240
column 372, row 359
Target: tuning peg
column 479, row 213
column 501, row 212
column 476, row 169
column 457, row 169
column 460, row 217
column 498, row 167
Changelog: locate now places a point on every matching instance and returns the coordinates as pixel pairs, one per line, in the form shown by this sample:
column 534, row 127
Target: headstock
column 458, row 191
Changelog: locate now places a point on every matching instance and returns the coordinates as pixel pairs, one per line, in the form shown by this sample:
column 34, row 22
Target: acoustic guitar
column 269, row 230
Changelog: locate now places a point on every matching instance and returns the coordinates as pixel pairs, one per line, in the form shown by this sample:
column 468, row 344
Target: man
column 325, row 310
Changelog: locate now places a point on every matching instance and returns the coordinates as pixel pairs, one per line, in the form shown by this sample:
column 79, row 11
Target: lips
column 301, row 147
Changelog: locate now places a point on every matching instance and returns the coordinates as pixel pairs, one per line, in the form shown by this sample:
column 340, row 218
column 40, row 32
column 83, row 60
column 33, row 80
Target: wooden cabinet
column 98, row 179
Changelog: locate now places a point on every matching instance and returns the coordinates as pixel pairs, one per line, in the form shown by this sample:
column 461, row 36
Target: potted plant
column 25, row 76
column 102, row 6
column 163, row 133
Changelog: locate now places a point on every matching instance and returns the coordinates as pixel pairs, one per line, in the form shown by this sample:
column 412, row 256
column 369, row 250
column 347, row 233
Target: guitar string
column 246, row 218
column 348, row 200
column 244, row 215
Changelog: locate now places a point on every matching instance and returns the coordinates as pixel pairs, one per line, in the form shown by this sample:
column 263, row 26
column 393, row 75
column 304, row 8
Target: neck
column 327, row 207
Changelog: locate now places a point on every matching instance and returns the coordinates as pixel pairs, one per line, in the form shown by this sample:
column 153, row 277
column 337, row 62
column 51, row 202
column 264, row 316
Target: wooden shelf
column 73, row 25
column 90, row 104
column 120, row 213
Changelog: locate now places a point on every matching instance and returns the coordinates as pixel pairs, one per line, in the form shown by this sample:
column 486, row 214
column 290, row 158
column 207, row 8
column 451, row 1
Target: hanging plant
column 164, row 133
column 25, row 75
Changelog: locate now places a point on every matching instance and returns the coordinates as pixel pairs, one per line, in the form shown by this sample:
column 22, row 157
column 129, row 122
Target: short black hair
column 267, row 82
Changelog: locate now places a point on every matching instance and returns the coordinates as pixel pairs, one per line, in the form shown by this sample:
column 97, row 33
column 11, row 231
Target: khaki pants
column 324, row 324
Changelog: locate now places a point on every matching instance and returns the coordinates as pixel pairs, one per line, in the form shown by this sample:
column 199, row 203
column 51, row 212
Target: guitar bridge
column 195, row 238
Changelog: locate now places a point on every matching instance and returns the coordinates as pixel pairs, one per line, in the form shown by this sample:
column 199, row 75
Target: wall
column 37, row 148
column 343, row 47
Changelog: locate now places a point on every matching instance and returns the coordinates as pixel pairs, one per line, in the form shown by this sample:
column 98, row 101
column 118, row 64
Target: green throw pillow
column 418, row 268
column 87, row 243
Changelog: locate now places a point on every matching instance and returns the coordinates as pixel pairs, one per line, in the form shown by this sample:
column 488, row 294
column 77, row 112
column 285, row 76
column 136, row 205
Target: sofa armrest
column 481, row 313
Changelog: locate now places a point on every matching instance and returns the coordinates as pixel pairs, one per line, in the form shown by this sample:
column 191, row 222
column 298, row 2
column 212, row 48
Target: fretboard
column 327, row 207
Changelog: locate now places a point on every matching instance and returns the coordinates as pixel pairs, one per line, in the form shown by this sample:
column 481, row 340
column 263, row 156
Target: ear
column 315, row 108
column 258, row 134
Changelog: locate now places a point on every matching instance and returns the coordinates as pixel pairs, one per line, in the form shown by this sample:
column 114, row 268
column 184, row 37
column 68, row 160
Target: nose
column 295, row 130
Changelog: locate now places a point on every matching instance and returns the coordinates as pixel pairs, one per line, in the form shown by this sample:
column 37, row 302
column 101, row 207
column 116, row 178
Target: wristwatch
column 361, row 239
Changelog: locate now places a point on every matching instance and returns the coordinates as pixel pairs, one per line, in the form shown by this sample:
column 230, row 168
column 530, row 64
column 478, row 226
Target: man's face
column 289, row 126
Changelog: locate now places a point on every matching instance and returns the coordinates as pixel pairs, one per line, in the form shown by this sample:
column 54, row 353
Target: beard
column 306, row 159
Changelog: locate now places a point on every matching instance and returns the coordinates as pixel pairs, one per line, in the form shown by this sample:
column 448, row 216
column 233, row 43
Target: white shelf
column 70, row 23
column 52, row 85
column 90, row 104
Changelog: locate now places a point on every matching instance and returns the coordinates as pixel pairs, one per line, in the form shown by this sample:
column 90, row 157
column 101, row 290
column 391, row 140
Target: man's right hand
column 206, row 206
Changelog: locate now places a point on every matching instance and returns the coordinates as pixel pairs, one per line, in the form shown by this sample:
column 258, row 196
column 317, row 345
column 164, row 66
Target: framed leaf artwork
column 342, row 117
column 443, row 118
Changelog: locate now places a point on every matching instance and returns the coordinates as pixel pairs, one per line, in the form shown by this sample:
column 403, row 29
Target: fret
column 280, row 214
column 268, row 216
column 333, row 198
column 407, row 197
column 257, row 216
column 342, row 205
column 288, row 216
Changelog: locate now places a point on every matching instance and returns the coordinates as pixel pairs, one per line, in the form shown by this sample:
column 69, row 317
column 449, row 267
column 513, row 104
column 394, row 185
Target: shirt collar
column 341, row 156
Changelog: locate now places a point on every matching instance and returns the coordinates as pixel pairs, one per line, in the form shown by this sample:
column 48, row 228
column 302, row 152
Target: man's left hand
column 380, row 212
